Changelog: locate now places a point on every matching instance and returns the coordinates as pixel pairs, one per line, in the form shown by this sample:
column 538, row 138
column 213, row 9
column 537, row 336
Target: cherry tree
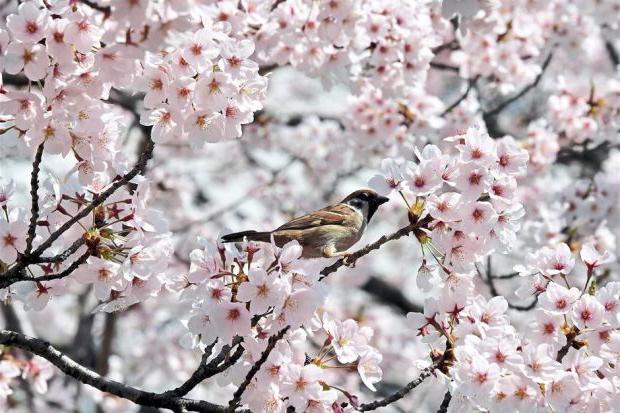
column 133, row 134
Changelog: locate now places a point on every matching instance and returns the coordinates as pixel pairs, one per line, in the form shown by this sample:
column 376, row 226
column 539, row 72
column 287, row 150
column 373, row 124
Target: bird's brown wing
column 337, row 214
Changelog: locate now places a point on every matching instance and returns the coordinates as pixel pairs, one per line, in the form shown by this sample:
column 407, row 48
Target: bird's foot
column 349, row 259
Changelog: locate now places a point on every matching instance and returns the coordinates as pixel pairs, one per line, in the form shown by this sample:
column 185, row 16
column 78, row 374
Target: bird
column 325, row 233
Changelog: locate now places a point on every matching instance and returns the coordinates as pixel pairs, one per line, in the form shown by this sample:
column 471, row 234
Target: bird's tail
column 248, row 235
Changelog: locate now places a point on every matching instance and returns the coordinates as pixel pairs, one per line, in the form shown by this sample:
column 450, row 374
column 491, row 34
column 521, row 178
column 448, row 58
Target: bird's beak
column 382, row 200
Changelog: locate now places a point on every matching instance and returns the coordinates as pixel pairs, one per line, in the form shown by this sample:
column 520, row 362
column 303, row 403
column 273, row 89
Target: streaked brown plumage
column 327, row 232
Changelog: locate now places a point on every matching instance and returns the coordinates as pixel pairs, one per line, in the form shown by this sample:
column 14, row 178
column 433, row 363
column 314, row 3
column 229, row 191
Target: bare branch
column 206, row 370
column 5, row 282
column 13, row 274
column 388, row 294
column 447, row 398
column 470, row 85
column 443, row 66
column 612, row 52
column 402, row 392
column 503, row 105
column 490, row 281
column 370, row 247
column 234, row 402
column 34, row 196
column 63, row 255
column 87, row 376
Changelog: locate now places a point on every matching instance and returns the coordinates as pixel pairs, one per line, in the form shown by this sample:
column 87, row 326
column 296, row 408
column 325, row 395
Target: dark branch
column 34, row 196
column 400, row 393
column 234, row 402
column 612, row 52
column 389, row 294
column 220, row 363
column 74, row 265
column 63, row 255
column 87, row 376
column 443, row 66
column 500, row 107
column 447, row 398
column 490, row 281
column 13, row 274
column 470, row 85
column 106, row 10
column 368, row 248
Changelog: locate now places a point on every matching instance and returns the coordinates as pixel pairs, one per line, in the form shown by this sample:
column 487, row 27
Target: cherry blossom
column 135, row 133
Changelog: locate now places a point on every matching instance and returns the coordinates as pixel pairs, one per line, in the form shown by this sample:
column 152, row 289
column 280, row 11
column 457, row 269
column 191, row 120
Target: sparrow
column 327, row 232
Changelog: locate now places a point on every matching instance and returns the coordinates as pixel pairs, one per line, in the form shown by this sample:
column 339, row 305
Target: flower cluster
column 253, row 293
column 392, row 44
column 202, row 90
column 568, row 357
column 585, row 113
column 125, row 244
column 469, row 197
column 36, row 371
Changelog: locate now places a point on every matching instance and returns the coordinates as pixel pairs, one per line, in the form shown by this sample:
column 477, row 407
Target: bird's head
column 366, row 201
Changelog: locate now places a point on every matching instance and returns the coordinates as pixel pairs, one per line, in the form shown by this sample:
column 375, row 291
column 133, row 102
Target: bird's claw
column 349, row 260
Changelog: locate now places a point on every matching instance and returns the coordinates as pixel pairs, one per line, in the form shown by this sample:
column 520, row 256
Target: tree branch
column 470, row 85
column 388, row 294
column 490, row 117
column 503, row 105
column 34, row 196
column 206, row 370
column 63, row 255
column 447, row 398
column 368, row 248
column 87, row 376
column 402, row 392
column 493, row 290
column 13, row 274
column 612, row 52
column 234, row 402
column 5, row 282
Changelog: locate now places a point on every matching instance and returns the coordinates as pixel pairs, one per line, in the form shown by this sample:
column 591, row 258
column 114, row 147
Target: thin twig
column 206, row 370
column 613, row 53
column 234, row 402
column 368, row 248
column 500, row 107
column 470, row 85
column 389, row 294
column 74, row 265
column 443, row 66
column 13, row 274
column 63, row 255
column 493, row 290
column 34, row 196
column 401, row 392
column 447, row 398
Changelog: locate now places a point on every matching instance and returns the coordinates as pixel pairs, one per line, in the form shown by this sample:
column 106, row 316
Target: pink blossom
column 592, row 257
column 301, row 383
column 261, row 291
column 82, row 32
column 587, row 312
column 31, row 58
column 558, row 299
column 38, row 370
column 13, row 235
column 556, row 260
column 231, row 319
column 390, row 179
column 30, row 24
